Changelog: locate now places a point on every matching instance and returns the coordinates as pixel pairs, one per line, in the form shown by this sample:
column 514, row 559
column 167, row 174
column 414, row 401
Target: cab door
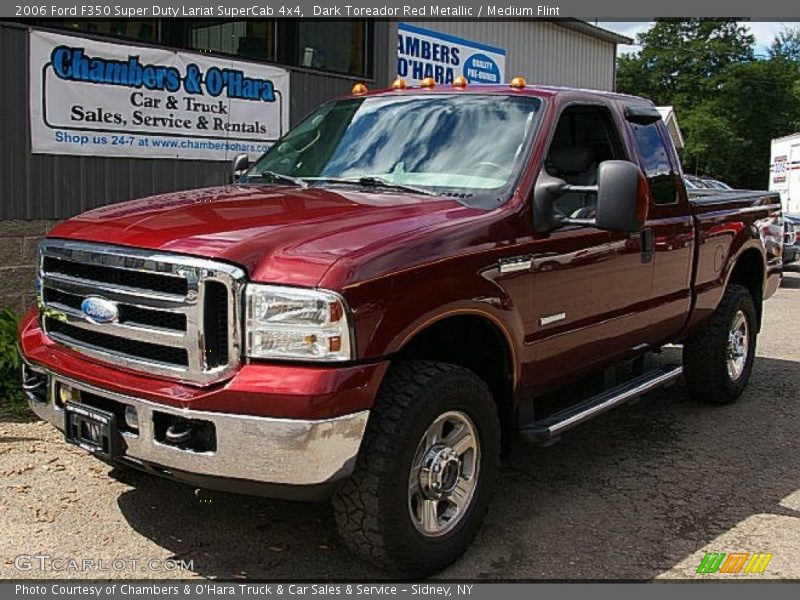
column 669, row 231
column 591, row 288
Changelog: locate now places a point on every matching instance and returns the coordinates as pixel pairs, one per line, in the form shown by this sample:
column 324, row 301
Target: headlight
column 296, row 323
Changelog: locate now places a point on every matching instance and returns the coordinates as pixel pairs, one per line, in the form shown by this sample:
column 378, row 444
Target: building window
column 330, row 45
column 324, row 45
column 249, row 39
column 142, row 30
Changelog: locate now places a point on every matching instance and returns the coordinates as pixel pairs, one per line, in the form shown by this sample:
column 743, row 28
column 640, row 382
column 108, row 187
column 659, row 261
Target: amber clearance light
column 428, row 82
column 518, row 83
column 399, row 84
column 359, row 89
column 460, row 82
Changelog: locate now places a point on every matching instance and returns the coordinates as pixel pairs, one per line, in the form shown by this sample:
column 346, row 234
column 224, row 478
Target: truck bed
column 727, row 224
column 703, row 201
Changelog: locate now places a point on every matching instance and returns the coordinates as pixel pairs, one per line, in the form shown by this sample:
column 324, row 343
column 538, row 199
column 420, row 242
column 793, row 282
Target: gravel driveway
column 639, row 493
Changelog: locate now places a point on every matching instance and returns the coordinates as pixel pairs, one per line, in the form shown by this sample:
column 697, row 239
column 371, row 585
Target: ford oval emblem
column 99, row 310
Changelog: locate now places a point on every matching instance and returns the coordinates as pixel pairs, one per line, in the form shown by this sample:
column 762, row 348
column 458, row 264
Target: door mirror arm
column 549, row 189
column 240, row 165
column 622, row 199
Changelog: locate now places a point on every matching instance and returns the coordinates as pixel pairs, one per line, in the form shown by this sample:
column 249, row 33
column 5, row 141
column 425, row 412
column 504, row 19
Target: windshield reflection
column 468, row 146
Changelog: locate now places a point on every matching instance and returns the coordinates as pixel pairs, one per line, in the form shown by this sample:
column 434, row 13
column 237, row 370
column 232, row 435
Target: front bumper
column 268, row 450
column 791, row 253
column 277, row 430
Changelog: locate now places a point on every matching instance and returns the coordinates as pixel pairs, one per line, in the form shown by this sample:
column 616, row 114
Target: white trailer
column 784, row 171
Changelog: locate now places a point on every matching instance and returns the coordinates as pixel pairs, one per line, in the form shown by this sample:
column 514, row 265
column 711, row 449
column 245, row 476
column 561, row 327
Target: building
column 568, row 52
column 671, row 121
column 88, row 119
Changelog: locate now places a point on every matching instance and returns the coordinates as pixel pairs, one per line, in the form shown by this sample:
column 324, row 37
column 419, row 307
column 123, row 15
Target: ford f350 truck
column 378, row 304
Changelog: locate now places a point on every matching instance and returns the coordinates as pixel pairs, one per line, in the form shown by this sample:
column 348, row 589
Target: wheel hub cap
column 440, row 471
column 444, row 474
column 738, row 346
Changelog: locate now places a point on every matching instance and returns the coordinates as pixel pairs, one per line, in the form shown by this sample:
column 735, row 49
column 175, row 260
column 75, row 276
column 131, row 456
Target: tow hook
column 178, row 433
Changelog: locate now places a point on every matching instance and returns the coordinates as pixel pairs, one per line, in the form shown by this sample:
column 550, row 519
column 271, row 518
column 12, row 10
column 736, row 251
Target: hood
column 278, row 234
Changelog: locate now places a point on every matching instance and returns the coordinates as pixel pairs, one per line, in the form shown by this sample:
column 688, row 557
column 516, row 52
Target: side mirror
column 240, row 164
column 621, row 197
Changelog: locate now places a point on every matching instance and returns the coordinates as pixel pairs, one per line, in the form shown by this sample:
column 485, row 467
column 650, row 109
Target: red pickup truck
column 375, row 307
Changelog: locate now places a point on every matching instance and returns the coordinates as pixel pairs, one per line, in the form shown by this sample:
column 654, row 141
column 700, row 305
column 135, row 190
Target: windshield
column 466, row 146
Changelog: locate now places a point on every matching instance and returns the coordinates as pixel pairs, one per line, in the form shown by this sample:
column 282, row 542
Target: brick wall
column 18, row 242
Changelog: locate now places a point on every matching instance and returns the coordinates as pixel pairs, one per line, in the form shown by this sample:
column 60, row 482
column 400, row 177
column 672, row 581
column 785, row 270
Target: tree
column 730, row 104
column 680, row 61
column 711, row 142
column 787, row 45
column 760, row 101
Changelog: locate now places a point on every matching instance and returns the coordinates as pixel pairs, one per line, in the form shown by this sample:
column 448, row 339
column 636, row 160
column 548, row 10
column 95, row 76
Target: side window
column 655, row 160
column 584, row 137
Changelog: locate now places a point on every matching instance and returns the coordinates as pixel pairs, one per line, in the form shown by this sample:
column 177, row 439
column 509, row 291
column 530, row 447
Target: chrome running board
column 547, row 429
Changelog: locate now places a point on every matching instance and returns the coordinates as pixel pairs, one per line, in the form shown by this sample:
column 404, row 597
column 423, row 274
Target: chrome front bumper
column 254, row 449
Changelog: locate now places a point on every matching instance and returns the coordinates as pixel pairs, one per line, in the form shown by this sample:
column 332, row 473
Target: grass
column 15, row 407
column 12, row 399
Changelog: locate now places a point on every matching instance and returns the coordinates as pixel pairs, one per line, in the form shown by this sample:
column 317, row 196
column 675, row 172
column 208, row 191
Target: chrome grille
column 178, row 316
column 789, row 230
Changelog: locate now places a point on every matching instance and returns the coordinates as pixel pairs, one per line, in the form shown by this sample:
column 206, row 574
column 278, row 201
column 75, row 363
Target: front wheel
column 718, row 360
column 426, row 469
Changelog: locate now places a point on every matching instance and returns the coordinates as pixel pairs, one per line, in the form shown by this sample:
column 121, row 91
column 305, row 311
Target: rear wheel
column 425, row 471
column 718, row 360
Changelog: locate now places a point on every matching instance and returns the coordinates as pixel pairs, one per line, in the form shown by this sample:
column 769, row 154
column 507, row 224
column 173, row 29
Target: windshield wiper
column 375, row 182
column 278, row 177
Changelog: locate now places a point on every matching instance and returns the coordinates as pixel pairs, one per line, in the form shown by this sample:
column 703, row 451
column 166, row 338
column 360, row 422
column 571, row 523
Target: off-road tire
column 705, row 353
column 371, row 509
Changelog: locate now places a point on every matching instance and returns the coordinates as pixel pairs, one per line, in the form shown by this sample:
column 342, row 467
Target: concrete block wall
column 18, row 243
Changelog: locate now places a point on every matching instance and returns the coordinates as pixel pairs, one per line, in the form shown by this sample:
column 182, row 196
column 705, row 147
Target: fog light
column 68, row 394
column 131, row 417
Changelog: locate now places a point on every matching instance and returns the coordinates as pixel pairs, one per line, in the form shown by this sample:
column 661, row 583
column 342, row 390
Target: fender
column 733, row 261
column 408, row 307
column 433, row 317
column 708, row 294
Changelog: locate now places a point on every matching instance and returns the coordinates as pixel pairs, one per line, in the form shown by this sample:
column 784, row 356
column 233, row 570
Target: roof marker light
column 460, row 82
column 359, row 89
column 399, row 84
column 428, row 82
column 518, row 83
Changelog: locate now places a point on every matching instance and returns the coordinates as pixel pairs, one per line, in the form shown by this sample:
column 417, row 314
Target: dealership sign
column 779, row 169
column 423, row 53
column 94, row 98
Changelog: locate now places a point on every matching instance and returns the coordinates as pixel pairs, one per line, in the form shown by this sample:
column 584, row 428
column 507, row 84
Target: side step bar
column 546, row 430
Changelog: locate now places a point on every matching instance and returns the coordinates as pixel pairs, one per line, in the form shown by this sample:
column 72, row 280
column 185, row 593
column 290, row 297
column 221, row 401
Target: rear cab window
column 655, row 161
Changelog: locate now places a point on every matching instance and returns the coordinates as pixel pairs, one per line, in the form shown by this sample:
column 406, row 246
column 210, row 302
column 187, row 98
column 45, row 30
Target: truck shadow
column 628, row 495
column 791, row 283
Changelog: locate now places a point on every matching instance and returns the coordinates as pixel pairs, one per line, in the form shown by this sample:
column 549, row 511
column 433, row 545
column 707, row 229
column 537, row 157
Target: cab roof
column 539, row 91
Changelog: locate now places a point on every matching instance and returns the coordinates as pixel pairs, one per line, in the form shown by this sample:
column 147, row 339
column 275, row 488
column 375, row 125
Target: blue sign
column 480, row 68
column 423, row 53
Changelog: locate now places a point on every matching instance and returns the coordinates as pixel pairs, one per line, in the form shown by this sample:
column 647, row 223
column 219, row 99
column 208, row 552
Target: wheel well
column 749, row 272
column 477, row 344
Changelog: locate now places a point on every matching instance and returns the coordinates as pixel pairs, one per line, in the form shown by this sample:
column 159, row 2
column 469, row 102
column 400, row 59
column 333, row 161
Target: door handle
column 647, row 244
